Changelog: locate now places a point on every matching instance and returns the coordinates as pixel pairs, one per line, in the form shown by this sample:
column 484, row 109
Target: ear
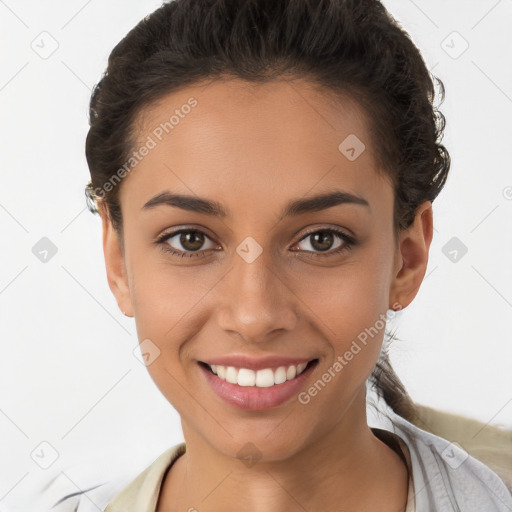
column 115, row 263
column 411, row 258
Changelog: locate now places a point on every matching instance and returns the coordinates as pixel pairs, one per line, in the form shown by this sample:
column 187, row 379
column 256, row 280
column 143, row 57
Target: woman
column 265, row 173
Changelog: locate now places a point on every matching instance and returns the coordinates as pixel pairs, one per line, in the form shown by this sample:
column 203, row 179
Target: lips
column 254, row 397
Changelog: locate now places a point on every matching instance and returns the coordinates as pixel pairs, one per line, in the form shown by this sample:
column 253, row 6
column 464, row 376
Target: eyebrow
column 293, row 208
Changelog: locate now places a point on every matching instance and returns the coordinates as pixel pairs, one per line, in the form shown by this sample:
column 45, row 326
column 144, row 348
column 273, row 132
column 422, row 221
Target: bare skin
column 253, row 149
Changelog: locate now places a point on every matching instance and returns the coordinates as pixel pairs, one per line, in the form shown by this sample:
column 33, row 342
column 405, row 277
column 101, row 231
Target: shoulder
column 120, row 494
column 143, row 491
column 446, row 477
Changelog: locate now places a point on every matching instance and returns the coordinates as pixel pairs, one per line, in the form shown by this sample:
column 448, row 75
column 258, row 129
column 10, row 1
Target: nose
column 257, row 302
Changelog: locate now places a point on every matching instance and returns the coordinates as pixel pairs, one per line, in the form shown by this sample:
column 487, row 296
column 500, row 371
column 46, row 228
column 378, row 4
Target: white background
column 68, row 375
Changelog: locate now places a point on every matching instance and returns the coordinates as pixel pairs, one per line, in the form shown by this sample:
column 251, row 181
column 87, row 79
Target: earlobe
column 115, row 264
column 412, row 258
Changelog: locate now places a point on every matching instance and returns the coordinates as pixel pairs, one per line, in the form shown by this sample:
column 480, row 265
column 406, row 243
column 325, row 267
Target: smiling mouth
column 266, row 377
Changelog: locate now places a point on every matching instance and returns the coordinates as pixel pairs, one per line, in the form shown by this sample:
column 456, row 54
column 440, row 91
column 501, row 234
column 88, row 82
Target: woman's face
column 252, row 282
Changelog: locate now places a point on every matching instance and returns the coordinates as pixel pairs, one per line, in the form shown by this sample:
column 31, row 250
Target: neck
column 346, row 468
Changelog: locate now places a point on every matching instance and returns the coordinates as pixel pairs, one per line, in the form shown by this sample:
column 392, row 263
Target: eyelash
column 348, row 243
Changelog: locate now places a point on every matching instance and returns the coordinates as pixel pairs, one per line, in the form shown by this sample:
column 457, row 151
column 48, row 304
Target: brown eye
column 191, row 240
column 185, row 242
column 324, row 241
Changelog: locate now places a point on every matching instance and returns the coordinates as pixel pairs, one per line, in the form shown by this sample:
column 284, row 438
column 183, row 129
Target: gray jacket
column 446, row 478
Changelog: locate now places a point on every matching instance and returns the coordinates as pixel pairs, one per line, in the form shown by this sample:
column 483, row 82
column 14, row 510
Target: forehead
column 262, row 140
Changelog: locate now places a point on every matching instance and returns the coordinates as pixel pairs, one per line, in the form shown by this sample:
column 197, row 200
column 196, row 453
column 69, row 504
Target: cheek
column 165, row 302
column 353, row 322
column 162, row 293
column 350, row 297
column 352, row 318
column 349, row 304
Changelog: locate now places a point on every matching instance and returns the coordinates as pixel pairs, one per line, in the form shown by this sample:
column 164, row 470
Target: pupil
column 323, row 236
column 187, row 238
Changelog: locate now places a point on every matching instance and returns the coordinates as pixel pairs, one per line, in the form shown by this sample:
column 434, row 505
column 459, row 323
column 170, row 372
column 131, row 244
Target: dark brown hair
column 350, row 48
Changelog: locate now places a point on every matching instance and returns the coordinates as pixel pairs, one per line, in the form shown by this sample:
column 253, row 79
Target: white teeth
column 264, row 378
column 300, row 367
column 280, row 375
column 246, row 377
column 261, row 378
column 232, row 375
column 221, row 371
column 291, row 372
